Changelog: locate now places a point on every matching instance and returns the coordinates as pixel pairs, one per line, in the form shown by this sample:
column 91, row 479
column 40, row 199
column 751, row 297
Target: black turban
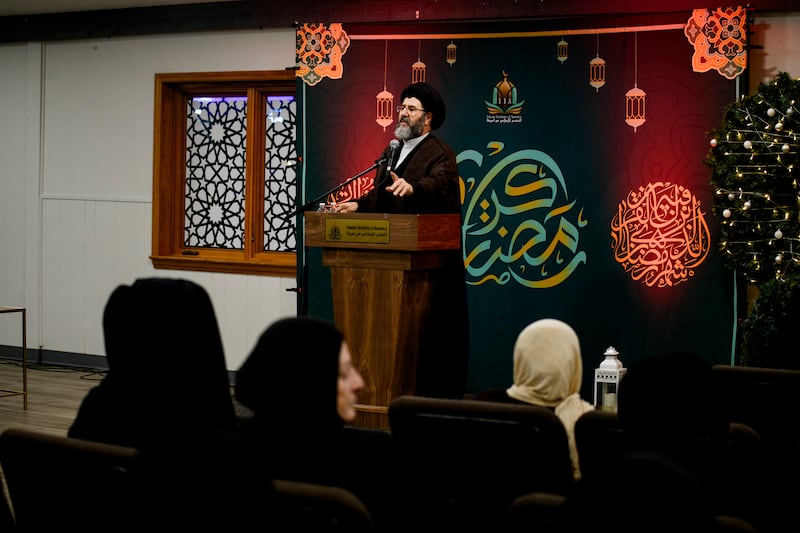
column 430, row 98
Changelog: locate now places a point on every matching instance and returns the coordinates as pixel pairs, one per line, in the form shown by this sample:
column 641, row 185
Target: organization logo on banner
column 504, row 107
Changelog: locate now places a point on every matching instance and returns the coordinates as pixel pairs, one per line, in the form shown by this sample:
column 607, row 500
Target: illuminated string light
column 752, row 156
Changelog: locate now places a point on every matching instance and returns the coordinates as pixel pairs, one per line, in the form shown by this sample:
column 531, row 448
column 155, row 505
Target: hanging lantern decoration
column 384, row 112
column 384, row 109
column 597, row 70
column 635, row 98
column 561, row 50
column 597, row 73
column 418, row 72
column 418, row 68
column 634, row 107
column 451, row 54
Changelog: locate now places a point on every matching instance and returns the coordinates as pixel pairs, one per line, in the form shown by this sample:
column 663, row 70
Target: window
column 224, row 174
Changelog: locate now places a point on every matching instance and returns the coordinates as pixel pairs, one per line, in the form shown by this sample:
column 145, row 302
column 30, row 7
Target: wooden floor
column 54, row 395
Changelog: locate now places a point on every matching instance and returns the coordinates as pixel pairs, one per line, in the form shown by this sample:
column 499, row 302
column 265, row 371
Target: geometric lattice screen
column 214, row 195
column 280, row 174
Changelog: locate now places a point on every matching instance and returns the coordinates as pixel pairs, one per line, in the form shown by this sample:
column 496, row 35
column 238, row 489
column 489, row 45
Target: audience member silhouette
column 641, row 491
column 166, row 366
column 301, row 386
column 548, row 371
column 667, row 406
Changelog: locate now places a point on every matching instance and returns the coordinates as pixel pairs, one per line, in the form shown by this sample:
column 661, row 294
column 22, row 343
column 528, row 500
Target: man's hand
column 347, row 207
column 399, row 186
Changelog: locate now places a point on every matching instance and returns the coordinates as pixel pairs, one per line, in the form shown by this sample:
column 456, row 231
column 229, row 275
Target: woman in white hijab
column 548, row 371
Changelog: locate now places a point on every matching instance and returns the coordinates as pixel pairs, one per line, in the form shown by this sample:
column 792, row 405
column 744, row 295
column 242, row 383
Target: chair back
column 548, row 513
column 733, row 524
column 766, row 400
column 371, row 476
column 60, row 483
column 461, row 463
column 542, row 512
column 6, row 512
column 599, row 439
column 319, row 508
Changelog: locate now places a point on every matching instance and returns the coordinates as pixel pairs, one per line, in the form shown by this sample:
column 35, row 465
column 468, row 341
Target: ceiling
column 44, row 20
column 36, row 7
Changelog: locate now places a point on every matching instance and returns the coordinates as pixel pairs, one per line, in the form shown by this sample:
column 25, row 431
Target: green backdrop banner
column 584, row 193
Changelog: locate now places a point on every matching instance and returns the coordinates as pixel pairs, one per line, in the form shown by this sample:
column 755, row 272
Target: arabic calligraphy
column 519, row 222
column 503, row 119
column 352, row 190
column 659, row 234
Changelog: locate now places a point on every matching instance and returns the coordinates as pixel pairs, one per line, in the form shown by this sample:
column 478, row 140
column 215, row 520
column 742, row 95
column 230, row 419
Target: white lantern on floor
column 606, row 381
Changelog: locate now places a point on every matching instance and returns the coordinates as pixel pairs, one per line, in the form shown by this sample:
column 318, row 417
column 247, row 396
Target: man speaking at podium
column 421, row 177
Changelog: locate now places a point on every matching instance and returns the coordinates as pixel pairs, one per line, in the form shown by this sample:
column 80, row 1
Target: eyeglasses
column 410, row 108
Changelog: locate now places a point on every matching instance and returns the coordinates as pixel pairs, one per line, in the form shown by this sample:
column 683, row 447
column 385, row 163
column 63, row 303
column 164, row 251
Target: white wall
column 779, row 37
column 92, row 183
column 12, row 168
column 20, row 114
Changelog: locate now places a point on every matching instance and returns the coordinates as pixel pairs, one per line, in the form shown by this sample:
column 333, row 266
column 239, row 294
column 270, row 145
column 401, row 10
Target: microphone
column 394, row 144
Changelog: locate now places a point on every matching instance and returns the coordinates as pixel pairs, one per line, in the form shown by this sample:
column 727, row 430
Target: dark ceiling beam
column 512, row 15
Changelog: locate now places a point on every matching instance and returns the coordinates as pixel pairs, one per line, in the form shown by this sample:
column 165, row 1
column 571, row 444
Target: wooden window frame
column 172, row 92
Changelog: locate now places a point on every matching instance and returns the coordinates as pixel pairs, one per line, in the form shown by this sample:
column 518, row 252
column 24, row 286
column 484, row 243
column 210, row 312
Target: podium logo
column 334, row 233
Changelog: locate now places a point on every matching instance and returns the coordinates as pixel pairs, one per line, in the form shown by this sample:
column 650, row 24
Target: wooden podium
column 381, row 267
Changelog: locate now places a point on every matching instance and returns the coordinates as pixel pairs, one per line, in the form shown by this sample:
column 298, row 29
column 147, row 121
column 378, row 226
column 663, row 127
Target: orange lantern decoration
column 636, row 97
column 597, row 70
column 451, row 53
column 561, row 50
column 635, row 107
column 597, row 73
column 384, row 109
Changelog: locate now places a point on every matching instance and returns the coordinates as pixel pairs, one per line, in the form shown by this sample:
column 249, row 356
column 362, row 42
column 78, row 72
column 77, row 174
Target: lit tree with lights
column 754, row 163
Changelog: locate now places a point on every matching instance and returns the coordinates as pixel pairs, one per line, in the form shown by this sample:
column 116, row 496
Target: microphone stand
column 307, row 205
